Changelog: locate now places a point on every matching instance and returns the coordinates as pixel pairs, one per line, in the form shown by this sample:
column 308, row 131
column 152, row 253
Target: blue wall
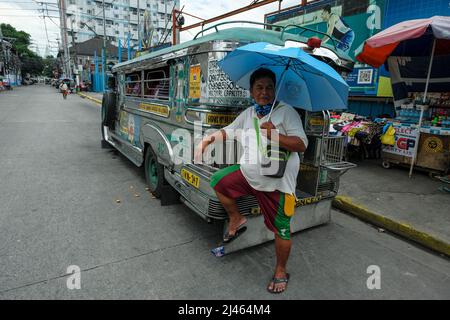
column 370, row 109
column 400, row 10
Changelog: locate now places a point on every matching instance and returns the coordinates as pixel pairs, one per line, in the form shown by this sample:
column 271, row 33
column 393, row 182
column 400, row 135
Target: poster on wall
column 346, row 25
column 350, row 23
column 405, row 141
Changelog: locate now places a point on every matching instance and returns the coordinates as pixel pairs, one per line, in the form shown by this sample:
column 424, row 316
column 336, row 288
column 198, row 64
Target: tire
column 108, row 108
column 154, row 173
column 386, row 164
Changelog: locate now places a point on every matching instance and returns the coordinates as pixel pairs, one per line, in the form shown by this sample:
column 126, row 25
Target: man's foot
column 278, row 284
column 234, row 230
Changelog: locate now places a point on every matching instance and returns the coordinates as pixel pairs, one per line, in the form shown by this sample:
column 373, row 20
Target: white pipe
column 413, row 160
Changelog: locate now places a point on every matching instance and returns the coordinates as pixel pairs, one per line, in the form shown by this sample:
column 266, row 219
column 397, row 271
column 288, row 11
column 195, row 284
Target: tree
column 50, row 64
column 31, row 62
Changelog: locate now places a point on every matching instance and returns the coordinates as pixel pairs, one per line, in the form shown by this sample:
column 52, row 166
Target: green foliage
column 31, row 62
column 50, row 64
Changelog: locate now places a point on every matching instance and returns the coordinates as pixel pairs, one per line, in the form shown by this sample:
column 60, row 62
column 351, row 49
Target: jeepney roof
column 231, row 34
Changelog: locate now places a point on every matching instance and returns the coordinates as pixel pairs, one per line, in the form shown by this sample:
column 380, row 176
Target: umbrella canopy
column 302, row 81
column 412, row 38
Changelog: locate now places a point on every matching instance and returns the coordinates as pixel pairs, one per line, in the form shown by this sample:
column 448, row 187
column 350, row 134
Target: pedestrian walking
column 64, row 89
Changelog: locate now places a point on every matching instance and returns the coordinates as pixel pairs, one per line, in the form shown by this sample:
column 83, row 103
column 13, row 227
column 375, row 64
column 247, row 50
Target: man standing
column 275, row 195
column 64, row 89
column 338, row 29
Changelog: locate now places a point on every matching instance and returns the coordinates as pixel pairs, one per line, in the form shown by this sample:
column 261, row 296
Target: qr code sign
column 365, row 76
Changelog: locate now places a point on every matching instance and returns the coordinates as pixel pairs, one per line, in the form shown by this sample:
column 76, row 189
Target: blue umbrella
column 303, row 81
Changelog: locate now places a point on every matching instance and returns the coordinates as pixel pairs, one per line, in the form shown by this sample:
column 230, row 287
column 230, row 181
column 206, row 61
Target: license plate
column 190, row 178
column 218, row 119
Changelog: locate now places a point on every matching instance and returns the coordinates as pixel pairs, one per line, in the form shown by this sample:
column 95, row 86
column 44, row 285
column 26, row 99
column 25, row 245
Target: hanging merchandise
column 388, row 138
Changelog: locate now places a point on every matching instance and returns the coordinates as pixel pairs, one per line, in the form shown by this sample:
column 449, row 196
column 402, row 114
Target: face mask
column 262, row 110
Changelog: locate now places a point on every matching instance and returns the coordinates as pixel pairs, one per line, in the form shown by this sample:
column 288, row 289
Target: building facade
column 146, row 20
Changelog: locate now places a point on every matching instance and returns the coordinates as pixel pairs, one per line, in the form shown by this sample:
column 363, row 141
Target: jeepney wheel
column 154, row 173
column 108, row 108
column 386, row 164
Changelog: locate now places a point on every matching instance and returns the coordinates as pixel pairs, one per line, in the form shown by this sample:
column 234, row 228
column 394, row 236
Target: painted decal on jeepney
column 180, row 93
column 306, row 201
column 194, row 82
column 220, row 85
column 130, row 126
column 123, row 121
column 157, row 109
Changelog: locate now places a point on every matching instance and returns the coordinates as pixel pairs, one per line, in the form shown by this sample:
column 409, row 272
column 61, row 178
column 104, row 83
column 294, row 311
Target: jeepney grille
column 333, row 149
column 245, row 206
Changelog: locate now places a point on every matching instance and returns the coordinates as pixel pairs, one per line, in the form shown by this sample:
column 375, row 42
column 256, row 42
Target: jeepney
column 156, row 94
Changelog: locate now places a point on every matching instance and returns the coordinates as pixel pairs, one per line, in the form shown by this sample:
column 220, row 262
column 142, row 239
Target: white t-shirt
column 288, row 122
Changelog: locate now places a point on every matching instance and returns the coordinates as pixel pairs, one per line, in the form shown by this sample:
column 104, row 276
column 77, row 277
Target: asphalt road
column 58, row 208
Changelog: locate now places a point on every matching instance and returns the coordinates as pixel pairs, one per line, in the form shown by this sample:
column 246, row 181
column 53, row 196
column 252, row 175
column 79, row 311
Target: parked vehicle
column 155, row 94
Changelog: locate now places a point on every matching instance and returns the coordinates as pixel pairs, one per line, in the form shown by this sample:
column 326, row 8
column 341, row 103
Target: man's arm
column 290, row 143
column 219, row 135
column 293, row 143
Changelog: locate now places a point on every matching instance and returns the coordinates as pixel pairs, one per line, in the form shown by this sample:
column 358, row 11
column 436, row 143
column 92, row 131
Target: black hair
column 327, row 8
column 262, row 73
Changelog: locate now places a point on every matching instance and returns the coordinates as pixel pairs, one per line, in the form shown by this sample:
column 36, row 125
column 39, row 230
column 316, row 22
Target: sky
column 26, row 15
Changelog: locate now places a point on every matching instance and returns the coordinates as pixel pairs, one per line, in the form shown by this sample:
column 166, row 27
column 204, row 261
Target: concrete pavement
column 58, row 208
column 412, row 208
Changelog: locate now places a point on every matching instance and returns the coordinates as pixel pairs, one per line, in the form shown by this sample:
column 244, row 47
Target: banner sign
column 405, row 141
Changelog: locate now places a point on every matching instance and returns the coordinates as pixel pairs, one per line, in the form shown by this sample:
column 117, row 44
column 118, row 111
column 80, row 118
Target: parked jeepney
column 157, row 95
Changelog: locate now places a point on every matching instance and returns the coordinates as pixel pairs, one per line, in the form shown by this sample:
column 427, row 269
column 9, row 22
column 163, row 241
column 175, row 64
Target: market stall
column 417, row 54
column 362, row 134
column 432, row 146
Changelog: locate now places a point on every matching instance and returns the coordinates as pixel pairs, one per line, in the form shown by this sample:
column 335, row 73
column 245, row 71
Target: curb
column 89, row 98
column 400, row 228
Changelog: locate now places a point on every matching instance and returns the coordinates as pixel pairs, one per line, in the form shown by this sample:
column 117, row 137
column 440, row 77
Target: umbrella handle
column 278, row 89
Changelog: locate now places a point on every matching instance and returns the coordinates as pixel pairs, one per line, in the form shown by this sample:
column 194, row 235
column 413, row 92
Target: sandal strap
column 280, row 280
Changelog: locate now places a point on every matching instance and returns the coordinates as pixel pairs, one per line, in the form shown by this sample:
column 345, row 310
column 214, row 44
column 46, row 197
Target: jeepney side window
column 156, row 83
column 133, row 84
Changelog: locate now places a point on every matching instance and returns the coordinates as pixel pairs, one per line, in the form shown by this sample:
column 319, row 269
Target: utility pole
column 75, row 57
column 138, row 26
column 104, row 48
column 63, row 26
column 165, row 18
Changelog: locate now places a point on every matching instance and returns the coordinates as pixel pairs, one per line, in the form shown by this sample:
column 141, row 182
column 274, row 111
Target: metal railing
column 282, row 29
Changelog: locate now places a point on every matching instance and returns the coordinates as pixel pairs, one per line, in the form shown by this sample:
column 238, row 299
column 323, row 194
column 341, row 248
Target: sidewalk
column 93, row 96
column 413, row 208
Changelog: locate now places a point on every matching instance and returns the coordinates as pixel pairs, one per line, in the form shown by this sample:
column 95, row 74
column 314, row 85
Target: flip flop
column 444, row 179
column 278, row 280
column 444, row 189
column 227, row 237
